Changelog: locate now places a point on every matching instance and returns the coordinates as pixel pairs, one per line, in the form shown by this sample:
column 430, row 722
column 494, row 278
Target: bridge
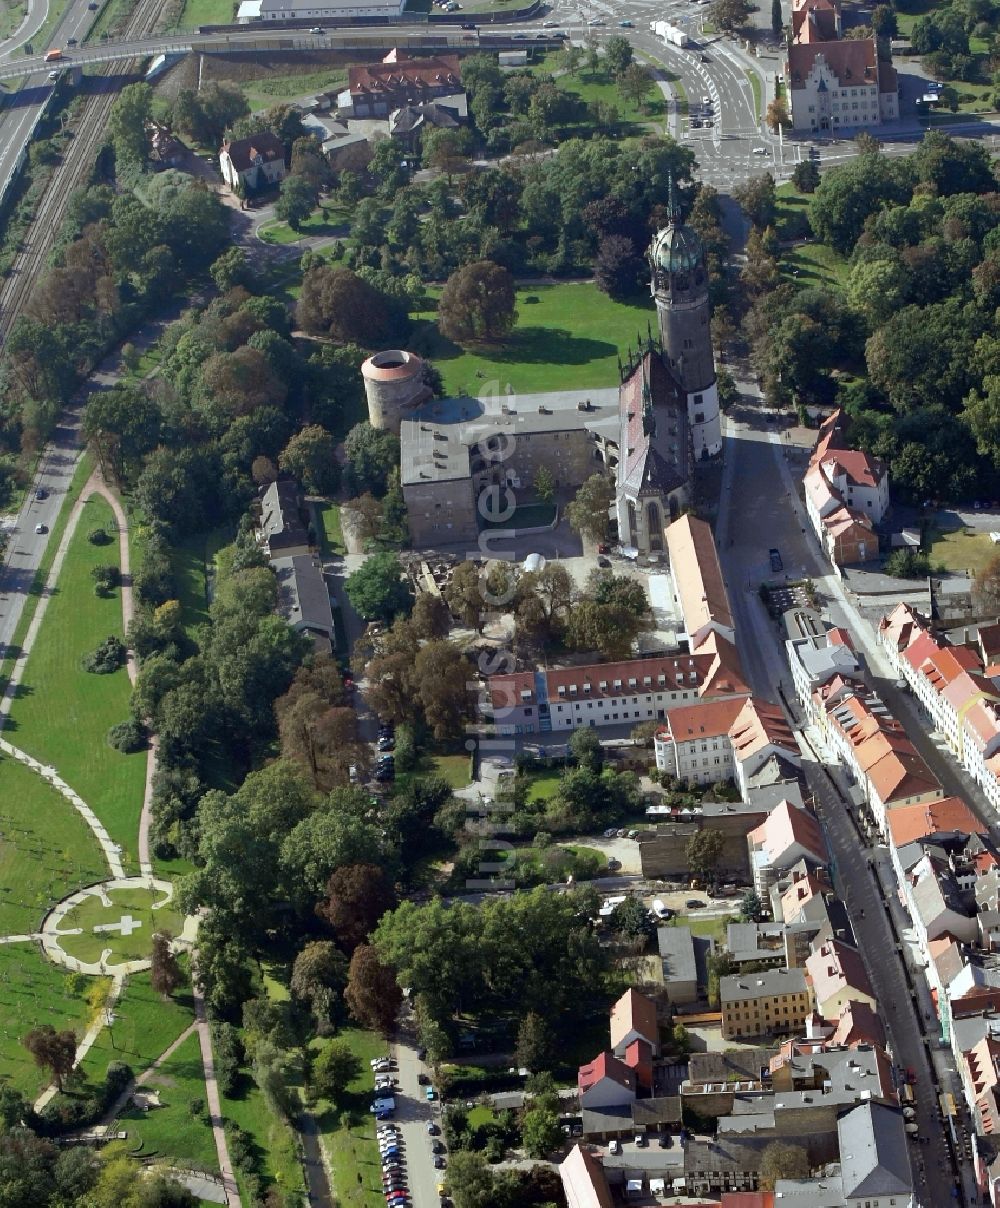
column 255, row 38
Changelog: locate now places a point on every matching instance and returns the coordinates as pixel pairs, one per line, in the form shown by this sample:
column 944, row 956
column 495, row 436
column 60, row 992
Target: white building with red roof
column 838, row 85
column 846, row 493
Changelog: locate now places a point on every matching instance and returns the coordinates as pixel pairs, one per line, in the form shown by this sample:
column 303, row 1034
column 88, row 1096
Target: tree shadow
column 527, row 345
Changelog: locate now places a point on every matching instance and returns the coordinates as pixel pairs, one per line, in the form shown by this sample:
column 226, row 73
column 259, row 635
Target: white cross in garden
column 125, row 925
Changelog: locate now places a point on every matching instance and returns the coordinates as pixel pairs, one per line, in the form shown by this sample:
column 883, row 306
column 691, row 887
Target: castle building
column 679, row 287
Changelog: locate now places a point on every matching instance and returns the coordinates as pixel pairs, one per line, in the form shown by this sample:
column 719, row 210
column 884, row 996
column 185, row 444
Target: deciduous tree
column 165, row 973
column 478, row 303
column 378, row 590
column 588, row 511
column 334, row 1069
column 52, row 1050
column 373, row 995
column 703, row 852
column 311, row 456
column 319, row 976
column 357, row 896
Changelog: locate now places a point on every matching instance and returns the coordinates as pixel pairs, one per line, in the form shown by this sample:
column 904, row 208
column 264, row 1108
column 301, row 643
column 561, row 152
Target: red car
column 911, row 1075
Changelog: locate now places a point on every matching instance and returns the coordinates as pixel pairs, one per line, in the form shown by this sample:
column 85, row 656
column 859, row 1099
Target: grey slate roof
column 874, row 1160
column 744, row 987
column 677, row 953
column 303, row 596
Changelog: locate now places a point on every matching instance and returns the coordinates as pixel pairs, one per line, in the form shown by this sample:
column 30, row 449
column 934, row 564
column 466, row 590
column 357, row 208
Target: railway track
column 77, row 163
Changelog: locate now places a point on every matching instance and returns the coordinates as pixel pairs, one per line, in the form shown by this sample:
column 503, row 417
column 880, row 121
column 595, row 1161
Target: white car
column 378, row 1061
column 760, row 150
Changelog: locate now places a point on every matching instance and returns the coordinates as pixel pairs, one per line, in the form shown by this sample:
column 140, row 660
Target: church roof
column 657, row 460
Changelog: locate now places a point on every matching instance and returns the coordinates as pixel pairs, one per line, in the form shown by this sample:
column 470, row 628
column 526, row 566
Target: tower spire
column 673, row 210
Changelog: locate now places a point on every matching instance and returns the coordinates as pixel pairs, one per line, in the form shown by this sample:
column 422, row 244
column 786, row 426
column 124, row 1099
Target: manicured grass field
column 815, row 264
column 632, row 119
column 137, row 904
column 960, row 549
column 791, row 220
column 543, row 785
column 326, row 219
column 567, row 337
column 330, row 535
column 171, row 1131
column 47, row 850
column 145, row 1025
column 206, row 12
column 33, row 992
column 63, row 713
column 351, row 1146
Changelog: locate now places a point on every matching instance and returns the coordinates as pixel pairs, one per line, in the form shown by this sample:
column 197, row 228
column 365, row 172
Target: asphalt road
column 412, row 1113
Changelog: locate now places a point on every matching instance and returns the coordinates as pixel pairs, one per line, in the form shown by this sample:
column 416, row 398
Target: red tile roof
column 604, row 1065
column 697, row 574
column 908, row 823
column 708, row 719
column 634, row 1012
column 852, row 62
column 436, row 74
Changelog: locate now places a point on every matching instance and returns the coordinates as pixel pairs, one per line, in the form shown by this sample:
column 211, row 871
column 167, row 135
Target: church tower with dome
column 679, row 287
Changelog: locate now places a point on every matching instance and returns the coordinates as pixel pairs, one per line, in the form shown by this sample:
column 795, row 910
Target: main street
column 760, row 509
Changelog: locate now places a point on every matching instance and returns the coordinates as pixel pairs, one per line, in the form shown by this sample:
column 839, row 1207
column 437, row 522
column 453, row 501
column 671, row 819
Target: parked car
column 640, row 1140
column 316, row 29
column 41, row 493
column 430, row 1094
column 776, row 563
column 437, row 1147
column 439, row 1163
column 665, row 1140
column 433, row 1129
column 614, row 1146
column 661, row 910
column 424, row 1079
column 386, row 743
column 694, row 904
column 603, row 562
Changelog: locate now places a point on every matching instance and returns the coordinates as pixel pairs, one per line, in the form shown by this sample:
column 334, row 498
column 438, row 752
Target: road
column 757, row 498
column 412, row 1114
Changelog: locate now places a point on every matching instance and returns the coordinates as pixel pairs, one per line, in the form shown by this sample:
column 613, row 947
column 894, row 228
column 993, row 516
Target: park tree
column 297, row 199
column 431, row 618
column 729, row 14
column 757, row 199
column 751, row 907
column 617, row 55
column 849, row 193
column 336, row 302
column 635, row 83
column 319, row 976
column 378, row 589
column 165, row 973
column 127, row 123
column 588, row 511
column 208, row 113
column 311, row 456
column 618, row 266
column 534, row 1049
column 334, row 1069
column 51, row 1050
column 464, row 595
column 443, row 675
column 231, row 269
column 805, row 176
column 357, row 895
column 477, row 303
column 372, row 454
column 373, row 995
column 703, row 851
column 782, row 1161
column 585, row 748
column 446, row 150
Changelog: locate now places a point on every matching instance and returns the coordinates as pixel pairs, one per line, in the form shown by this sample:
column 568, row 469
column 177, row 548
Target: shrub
column 196, row 1106
column 99, row 536
column 907, row 564
column 127, row 736
column 105, row 578
column 108, row 657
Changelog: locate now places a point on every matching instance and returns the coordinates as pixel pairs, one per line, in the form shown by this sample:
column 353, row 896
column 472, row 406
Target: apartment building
column 838, row 977
column 764, row 1004
column 786, row 837
column 694, row 744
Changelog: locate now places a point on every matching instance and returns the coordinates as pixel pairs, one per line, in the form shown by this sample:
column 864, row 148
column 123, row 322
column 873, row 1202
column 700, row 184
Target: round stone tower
column 680, row 289
column 394, row 385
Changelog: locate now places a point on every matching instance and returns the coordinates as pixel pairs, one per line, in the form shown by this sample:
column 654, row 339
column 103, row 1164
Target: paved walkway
column 91, row 1034
column 212, row 1092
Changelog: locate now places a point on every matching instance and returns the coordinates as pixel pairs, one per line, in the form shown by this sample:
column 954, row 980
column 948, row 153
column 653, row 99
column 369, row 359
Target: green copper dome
column 677, row 249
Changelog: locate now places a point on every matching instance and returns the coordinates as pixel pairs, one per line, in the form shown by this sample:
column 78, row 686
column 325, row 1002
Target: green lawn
column 145, row 1025
column 47, row 850
column 633, row 119
column 278, row 89
column 960, row 549
column 713, row 928
column 62, row 713
column 193, row 562
column 348, row 1131
column 206, row 12
column 791, row 220
column 171, row 1131
column 330, row 536
column 454, row 769
column 543, row 785
column 480, row 1115
column 279, row 1161
column 815, row 264
column 11, row 14
column 33, row 992
column 137, row 904
column 754, row 79
column 567, row 337
column 326, row 219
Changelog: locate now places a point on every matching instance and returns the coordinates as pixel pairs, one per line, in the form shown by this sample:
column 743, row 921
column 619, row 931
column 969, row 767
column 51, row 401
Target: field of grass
column 46, row 849
column 277, row 89
column 62, row 713
column 43, row 37
column 145, row 1025
column 11, row 15
column 330, row 536
column 567, row 337
column 632, row 118
column 543, row 786
column 33, row 992
column 111, row 19
column 139, row 905
column 171, row 1131
column 815, row 264
column 791, row 218
column 960, row 549
column 206, row 12
column 712, row 928
column 193, row 564
column 279, row 1157
column 348, row 1131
